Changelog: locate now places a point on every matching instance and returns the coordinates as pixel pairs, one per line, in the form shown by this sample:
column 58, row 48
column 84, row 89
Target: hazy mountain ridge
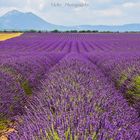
column 16, row 20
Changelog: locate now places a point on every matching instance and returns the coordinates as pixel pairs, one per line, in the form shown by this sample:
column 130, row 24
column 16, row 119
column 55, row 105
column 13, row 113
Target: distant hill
column 121, row 28
column 16, row 20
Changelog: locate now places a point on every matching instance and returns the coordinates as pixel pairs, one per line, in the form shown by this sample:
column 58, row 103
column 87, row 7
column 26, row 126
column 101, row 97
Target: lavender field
column 70, row 86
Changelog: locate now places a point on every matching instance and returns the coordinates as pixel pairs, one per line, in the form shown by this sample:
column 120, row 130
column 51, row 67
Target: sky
column 78, row 12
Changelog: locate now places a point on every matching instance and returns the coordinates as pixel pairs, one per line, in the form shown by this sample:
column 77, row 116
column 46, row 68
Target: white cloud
column 131, row 5
column 104, row 1
column 128, row 5
column 110, row 12
column 98, row 11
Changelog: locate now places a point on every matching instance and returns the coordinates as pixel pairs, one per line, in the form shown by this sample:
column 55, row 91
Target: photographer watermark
column 68, row 4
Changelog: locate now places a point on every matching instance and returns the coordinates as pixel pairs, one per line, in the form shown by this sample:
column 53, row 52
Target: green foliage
column 55, row 134
column 39, row 31
column 52, row 134
column 135, row 88
column 137, row 83
column 67, row 134
column 99, row 109
column 55, row 31
column 73, row 31
column 26, row 87
column 122, row 79
column 88, row 31
column 49, row 135
column 94, row 136
column 32, row 31
column 3, row 124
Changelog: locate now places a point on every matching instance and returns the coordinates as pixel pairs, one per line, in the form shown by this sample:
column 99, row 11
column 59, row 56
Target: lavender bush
column 70, row 87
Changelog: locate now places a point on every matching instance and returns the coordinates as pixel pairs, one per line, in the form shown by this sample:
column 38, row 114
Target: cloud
column 97, row 12
column 128, row 5
column 111, row 12
column 104, row 1
column 131, row 5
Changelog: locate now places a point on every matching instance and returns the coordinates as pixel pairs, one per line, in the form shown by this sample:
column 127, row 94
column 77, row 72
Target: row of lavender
column 20, row 77
column 124, row 70
column 76, row 101
column 70, row 96
column 67, row 43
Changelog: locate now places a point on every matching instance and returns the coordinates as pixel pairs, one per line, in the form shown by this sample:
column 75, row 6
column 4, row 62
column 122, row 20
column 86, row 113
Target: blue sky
column 75, row 12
